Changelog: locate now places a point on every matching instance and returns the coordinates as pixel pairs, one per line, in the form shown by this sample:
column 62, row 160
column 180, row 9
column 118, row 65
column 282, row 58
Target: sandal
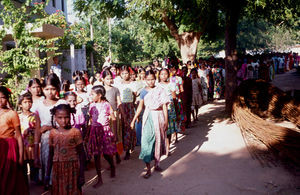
column 147, row 175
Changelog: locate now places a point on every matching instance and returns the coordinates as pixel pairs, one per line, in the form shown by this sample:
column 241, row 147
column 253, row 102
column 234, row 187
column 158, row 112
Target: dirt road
column 211, row 159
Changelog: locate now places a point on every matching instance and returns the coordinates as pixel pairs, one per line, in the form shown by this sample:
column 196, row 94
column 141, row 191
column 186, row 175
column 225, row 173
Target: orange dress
column 12, row 180
column 65, row 171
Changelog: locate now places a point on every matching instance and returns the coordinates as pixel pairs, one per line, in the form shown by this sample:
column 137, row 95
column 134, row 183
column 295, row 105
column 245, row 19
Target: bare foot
column 98, row 184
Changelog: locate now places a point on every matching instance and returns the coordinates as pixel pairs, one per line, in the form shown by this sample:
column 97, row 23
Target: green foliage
column 76, row 34
column 259, row 35
column 17, row 89
column 20, row 22
column 101, row 8
column 191, row 16
column 207, row 49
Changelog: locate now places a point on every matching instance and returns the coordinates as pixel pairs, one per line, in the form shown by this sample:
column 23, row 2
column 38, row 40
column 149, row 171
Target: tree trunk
column 188, row 42
column 231, row 58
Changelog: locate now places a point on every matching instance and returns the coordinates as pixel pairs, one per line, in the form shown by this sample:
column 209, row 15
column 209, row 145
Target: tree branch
column 171, row 25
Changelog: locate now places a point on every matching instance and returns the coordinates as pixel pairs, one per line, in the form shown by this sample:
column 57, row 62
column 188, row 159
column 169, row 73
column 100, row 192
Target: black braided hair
column 99, row 89
column 65, row 107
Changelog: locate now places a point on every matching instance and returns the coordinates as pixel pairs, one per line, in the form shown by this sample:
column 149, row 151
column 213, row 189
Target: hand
column 25, row 133
column 45, row 128
column 21, row 161
column 132, row 124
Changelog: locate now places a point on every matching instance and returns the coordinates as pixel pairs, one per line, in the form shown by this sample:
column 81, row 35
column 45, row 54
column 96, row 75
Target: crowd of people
column 60, row 127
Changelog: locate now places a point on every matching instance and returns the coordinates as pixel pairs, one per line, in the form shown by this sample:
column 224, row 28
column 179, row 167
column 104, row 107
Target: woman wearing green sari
column 155, row 122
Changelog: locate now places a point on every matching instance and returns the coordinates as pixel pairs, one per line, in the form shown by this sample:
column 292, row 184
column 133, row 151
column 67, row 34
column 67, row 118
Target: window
column 53, row 3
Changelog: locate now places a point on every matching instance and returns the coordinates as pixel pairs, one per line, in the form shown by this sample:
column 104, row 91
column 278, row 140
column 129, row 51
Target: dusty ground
column 211, row 159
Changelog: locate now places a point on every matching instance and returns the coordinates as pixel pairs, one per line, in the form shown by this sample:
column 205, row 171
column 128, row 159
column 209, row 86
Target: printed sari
column 153, row 131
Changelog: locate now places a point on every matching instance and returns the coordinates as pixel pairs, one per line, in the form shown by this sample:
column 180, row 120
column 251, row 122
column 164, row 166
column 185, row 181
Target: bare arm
column 113, row 118
column 19, row 139
column 138, row 112
column 50, row 162
column 119, row 105
column 80, row 151
column 165, row 110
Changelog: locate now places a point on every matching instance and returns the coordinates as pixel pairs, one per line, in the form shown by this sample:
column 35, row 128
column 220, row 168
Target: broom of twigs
column 257, row 100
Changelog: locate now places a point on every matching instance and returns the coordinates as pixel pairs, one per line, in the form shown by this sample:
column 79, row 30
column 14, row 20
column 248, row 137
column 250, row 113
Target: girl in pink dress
column 101, row 139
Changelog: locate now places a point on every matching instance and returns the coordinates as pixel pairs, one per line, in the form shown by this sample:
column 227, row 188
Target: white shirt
column 56, row 70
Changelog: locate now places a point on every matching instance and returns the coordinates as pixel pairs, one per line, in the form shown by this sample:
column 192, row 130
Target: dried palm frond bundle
column 258, row 100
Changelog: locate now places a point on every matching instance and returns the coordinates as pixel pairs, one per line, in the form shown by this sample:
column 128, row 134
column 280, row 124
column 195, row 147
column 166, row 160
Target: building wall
column 66, row 62
column 55, row 5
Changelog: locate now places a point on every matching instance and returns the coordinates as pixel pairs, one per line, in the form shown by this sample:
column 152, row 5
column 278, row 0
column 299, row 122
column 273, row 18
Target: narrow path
column 211, row 159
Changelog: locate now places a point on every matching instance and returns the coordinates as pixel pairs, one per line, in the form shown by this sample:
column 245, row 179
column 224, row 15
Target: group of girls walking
column 57, row 134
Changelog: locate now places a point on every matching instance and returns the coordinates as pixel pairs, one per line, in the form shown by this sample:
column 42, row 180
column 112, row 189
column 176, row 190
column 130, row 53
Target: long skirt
column 138, row 129
column 129, row 135
column 65, row 178
column 172, row 117
column 44, row 153
column 118, row 132
column 12, row 179
column 153, row 137
column 101, row 141
column 181, row 123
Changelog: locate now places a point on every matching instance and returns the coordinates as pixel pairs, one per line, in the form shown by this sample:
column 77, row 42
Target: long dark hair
column 38, row 82
column 106, row 73
column 164, row 69
column 52, row 79
column 7, row 93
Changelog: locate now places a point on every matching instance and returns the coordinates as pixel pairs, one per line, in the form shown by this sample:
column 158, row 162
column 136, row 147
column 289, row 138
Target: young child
column 113, row 97
column 35, row 88
column 50, row 87
column 172, row 116
column 155, row 122
column 28, row 126
column 197, row 94
column 98, row 78
column 101, row 139
column 12, row 179
column 179, row 96
column 140, row 84
column 127, row 93
column 64, row 88
column 132, row 74
column 66, row 154
column 82, row 96
column 77, row 119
